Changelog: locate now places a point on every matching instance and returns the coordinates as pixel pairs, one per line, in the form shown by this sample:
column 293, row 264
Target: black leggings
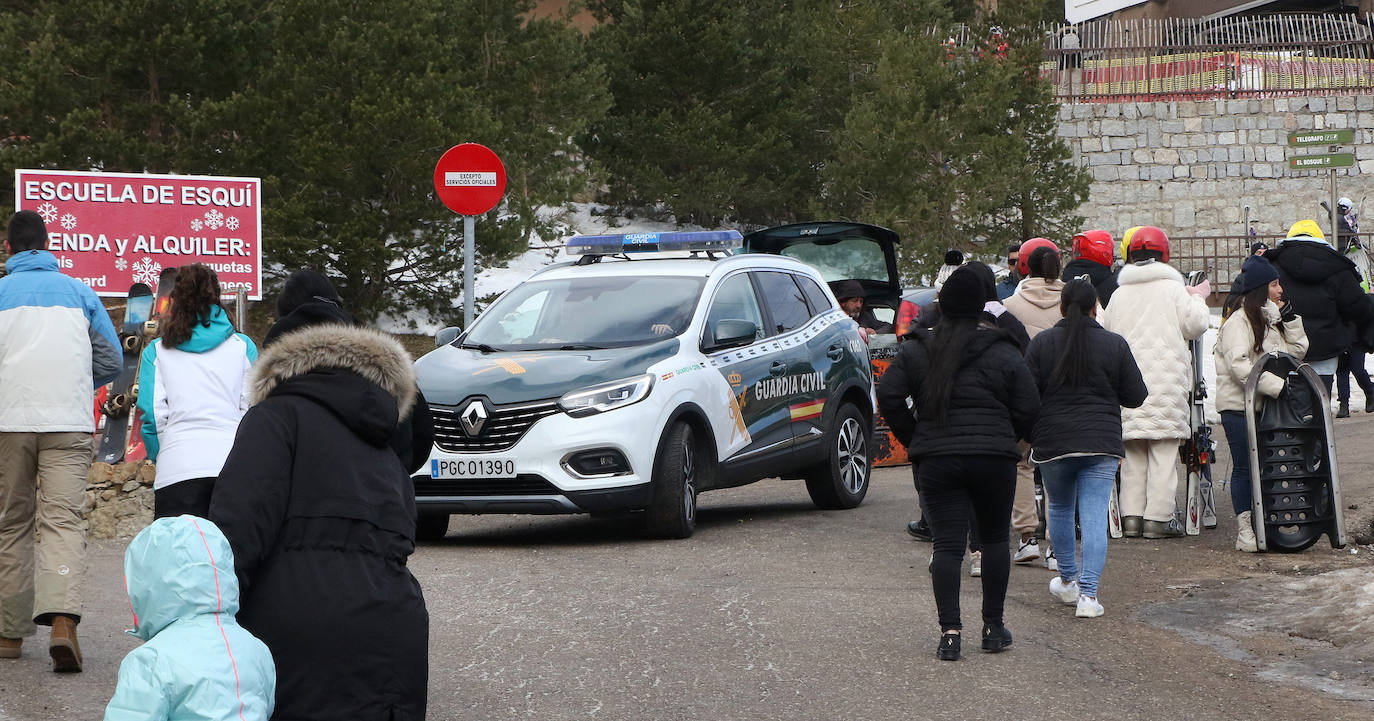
column 973, row 544
column 189, row 497
column 953, row 486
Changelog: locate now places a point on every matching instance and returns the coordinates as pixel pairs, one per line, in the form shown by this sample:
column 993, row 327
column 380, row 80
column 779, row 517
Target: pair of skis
column 121, row 439
column 1200, row 509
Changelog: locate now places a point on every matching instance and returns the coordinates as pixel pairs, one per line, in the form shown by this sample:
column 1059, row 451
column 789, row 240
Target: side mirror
column 731, row 333
column 446, row 336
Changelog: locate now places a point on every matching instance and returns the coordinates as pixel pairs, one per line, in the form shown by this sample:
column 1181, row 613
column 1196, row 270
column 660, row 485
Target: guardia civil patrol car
column 628, row 381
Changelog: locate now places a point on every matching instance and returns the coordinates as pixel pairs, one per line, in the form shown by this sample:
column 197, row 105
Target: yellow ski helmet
column 1126, row 240
column 1306, row 227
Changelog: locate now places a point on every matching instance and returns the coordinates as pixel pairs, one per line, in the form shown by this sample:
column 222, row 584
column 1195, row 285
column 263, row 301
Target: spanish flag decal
column 806, row 411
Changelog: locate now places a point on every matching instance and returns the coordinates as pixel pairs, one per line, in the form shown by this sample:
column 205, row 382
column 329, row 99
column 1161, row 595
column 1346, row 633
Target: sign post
column 1331, row 160
column 469, row 180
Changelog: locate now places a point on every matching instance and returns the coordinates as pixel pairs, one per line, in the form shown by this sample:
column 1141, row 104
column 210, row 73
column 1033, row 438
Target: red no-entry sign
column 470, row 179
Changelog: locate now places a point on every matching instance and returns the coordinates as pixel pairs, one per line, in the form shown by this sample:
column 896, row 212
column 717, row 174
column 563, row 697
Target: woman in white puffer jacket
column 1259, row 326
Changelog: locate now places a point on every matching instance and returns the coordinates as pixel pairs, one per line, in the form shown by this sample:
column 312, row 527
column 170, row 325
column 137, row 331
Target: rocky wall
column 1192, row 167
column 119, row 499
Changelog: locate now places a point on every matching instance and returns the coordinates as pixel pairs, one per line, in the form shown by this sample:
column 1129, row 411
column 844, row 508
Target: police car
column 630, row 381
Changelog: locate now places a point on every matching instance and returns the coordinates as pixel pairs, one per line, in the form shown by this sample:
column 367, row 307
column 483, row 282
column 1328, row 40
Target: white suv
column 632, row 383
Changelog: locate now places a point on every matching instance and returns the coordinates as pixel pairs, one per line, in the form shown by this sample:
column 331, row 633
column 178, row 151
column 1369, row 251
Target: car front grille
column 503, row 429
column 522, row 485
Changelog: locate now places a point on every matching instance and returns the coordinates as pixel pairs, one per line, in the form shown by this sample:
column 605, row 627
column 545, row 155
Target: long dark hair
column 196, row 292
column 946, row 355
column 1044, row 263
column 1076, row 304
column 1253, row 303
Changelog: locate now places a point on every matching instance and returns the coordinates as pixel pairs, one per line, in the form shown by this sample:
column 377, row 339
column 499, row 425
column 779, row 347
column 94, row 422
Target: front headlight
column 607, row 396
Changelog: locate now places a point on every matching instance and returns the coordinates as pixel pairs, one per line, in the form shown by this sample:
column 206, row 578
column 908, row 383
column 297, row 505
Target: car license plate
column 460, row 468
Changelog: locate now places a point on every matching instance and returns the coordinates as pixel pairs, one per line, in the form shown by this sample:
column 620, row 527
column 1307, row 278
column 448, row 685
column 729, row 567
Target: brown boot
column 65, row 651
column 10, row 647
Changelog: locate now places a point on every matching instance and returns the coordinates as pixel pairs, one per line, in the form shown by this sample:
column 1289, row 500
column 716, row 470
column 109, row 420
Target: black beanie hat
column 305, row 286
column 954, row 257
column 962, row 295
column 1255, row 273
column 986, row 276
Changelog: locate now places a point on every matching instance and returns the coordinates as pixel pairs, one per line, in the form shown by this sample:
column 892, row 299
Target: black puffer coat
column 1324, row 288
column 321, row 518
column 994, row 401
column 1084, row 418
column 1102, row 277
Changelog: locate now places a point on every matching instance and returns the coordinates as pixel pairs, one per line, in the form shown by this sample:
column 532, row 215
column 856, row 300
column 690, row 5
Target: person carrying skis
column 1324, row 288
column 1157, row 315
column 1346, row 227
column 973, row 397
column 1263, row 323
column 59, row 346
column 1036, row 305
column 1085, row 375
column 195, row 390
column 1092, row 256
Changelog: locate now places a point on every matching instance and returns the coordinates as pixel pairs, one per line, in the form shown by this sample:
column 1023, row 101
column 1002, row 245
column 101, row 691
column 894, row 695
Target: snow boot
column 1245, row 533
column 11, row 647
column 1131, row 525
column 1162, row 529
column 1344, row 410
column 65, row 651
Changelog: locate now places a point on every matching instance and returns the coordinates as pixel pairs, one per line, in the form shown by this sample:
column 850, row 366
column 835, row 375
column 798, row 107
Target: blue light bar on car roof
column 725, row 240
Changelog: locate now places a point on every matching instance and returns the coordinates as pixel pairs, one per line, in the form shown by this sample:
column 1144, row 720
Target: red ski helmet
column 1028, row 247
column 1094, row 245
column 1148, row 237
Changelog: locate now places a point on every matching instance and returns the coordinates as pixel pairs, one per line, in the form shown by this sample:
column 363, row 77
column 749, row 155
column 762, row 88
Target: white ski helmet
column 1345, row 203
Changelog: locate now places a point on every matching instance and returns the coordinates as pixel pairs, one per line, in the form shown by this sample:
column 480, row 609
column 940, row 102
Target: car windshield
column 587, row 313
column 848, row 258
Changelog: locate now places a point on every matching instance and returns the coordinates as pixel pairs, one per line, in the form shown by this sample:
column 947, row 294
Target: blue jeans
column 1238, row 438
column 1082, row 483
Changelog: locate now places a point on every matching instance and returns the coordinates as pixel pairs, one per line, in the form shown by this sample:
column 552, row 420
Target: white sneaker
column 1066, row 592
column 1051, row 562
column 1088, row 607
column 1029, row 551
column 975, row 566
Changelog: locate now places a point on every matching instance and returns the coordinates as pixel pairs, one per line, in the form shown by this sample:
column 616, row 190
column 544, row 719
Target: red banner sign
column 111, row 230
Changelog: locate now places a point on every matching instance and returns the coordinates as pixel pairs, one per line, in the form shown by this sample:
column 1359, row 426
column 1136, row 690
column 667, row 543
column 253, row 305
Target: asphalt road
column 775, row 610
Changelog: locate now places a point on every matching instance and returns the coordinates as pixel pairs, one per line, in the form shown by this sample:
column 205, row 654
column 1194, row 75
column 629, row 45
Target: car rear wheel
column 431, row 526
column 673, row 513
column 841, row 481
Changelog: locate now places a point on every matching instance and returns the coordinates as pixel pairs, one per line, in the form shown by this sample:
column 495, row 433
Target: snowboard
column 134, row 448
column 1200, row 510
column 1294, row 483
column 1114, row 507
column 119, row 401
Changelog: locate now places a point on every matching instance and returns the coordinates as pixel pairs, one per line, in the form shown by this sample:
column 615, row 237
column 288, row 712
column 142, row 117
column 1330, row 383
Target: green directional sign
column 1321, row 137
column 1313, row 162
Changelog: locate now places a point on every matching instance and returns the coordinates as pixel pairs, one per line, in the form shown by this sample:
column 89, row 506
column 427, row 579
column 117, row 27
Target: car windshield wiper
column 580, row 346
column 481, row 347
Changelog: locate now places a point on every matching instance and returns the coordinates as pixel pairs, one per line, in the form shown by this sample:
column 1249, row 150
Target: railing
column 1253, row 56
column 1221, row 256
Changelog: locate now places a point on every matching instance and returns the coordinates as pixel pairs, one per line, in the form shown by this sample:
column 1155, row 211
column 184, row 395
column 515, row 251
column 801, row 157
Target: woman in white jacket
column 1157, row 315
column 194, row 393
column 1260, row 326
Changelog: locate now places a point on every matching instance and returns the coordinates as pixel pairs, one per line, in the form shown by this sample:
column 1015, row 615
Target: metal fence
column 1221, row 256
column 1190, row 59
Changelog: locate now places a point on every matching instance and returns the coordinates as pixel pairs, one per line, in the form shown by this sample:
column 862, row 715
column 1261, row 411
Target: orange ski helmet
column 1094, row 245
column 1148, row 237
column 1028, row 247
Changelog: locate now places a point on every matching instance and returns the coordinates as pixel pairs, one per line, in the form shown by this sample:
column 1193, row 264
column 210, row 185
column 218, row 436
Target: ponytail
column 1076, row 303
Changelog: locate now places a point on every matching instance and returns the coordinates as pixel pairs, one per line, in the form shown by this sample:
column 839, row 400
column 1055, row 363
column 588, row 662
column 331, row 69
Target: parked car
column 629, row 382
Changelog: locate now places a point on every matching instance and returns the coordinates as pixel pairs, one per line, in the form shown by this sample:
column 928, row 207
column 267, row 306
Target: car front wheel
column 674, row 510
column 841, row 481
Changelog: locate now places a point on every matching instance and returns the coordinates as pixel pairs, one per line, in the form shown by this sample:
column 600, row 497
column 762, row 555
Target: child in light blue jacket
column 198, row 663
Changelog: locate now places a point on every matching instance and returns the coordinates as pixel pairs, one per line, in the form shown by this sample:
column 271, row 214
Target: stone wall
column 119, row 499
column 1191, row 167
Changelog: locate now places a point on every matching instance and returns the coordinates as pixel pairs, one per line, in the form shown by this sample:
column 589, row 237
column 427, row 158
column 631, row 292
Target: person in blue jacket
column 197, row 662
column 194, row 390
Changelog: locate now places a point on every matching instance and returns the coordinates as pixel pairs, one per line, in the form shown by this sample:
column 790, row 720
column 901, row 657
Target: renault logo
column 474, row 417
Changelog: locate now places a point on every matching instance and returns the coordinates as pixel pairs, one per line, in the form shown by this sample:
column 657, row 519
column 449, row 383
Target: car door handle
column 834, row 352
column 778, row 368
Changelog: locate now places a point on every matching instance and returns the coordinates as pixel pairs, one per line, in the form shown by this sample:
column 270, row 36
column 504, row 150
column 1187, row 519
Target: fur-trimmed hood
column 368, row 353
column 1133, row 273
